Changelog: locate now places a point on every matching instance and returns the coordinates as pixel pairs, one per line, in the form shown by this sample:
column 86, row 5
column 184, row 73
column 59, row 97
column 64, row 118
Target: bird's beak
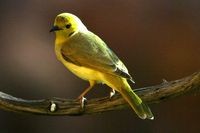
column 55, row 28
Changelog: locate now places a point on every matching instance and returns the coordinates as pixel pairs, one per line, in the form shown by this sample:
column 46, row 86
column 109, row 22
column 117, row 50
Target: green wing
column 88, row 50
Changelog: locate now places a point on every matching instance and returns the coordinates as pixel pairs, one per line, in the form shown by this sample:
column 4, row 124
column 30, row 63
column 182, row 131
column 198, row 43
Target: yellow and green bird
column 88, row 57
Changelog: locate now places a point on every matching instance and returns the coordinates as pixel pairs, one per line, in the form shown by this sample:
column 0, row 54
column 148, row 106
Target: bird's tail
column 141, row 109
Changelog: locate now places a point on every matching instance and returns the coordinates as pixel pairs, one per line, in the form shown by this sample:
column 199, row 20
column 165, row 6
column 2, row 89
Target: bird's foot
column 82, row 101
column 112, row 93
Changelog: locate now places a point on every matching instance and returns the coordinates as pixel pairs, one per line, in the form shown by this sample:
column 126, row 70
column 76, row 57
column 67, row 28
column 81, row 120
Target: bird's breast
column 83, row 72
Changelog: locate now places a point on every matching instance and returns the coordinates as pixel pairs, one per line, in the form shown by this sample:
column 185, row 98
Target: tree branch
column 58, row 106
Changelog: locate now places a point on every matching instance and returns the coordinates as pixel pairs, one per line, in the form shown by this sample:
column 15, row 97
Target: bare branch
column 58, row 106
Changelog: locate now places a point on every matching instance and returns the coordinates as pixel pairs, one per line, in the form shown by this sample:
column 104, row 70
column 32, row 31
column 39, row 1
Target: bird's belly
column 83, row 72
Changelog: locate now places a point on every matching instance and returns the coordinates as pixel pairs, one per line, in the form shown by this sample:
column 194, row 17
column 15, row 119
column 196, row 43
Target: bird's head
column 66, row 24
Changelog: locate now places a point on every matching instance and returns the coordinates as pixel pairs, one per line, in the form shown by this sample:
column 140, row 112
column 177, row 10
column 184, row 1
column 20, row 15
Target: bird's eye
column 68, row 26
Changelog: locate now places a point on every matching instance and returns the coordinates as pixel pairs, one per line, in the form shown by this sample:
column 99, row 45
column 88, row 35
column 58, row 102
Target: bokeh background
column 156, row 40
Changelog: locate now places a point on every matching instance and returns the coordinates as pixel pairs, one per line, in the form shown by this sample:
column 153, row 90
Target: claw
column 112, row 93
column 82, row 102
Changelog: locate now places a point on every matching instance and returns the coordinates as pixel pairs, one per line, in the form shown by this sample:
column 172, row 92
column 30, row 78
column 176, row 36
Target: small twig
column 58, row 106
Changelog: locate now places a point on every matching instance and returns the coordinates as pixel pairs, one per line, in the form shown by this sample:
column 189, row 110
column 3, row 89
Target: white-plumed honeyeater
column 87, row 56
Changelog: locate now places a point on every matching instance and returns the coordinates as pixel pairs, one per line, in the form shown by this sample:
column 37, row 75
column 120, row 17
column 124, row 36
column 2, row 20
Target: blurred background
column 155, row 39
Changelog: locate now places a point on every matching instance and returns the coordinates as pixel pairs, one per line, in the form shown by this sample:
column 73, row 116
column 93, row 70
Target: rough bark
column 58, row 106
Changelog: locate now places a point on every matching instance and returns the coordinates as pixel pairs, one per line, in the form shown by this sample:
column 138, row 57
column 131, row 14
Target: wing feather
column 88, row 50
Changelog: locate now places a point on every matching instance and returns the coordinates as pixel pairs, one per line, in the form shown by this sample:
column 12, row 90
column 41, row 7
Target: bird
column 87, row 56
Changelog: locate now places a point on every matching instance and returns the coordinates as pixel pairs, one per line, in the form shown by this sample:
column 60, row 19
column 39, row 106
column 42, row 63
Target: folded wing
column 88, row 50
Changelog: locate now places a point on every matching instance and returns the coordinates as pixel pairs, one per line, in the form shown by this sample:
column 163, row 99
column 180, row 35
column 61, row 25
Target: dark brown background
column 155, row 39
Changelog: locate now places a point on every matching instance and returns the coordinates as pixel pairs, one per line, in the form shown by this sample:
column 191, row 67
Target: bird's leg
column 112, row 93
column 81, row 98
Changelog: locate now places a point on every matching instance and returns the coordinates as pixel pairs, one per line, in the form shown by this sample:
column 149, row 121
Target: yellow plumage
column 87, row 56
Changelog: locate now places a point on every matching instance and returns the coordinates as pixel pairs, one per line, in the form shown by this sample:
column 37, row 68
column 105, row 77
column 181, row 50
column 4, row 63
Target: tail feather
column 141, row 109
